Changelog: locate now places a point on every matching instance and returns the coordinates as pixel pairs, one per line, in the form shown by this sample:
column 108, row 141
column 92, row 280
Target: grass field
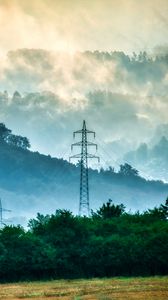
column 101, row 289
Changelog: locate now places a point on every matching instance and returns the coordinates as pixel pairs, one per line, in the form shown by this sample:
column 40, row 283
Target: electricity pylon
column 84, row 208
column 1, row 212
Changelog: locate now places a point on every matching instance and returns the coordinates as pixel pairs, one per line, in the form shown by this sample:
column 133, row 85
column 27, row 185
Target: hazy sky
column 124, row 100
column 69, row 25
column 138, row 100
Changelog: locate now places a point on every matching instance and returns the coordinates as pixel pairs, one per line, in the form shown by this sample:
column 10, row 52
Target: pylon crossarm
column 75, row 156
column 93, row 156
column 79, row 144
column 89, row 131
column 77, row 132
column 76, row 144
column 85, row 130
column 92, row 144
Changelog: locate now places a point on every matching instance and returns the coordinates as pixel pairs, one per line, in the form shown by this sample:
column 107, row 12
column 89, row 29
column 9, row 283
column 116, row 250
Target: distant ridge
column 31, row 182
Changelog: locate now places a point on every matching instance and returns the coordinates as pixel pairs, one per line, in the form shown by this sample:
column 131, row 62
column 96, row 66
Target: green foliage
column 109, row 243
column 160, row 212
column 109, row 210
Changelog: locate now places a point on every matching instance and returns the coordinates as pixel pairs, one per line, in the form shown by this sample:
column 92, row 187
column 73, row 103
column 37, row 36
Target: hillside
column 31, row 182
column 152, row 160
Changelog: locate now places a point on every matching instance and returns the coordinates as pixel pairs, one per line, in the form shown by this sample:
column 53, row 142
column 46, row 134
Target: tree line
column 8, row 137
column 111, row 242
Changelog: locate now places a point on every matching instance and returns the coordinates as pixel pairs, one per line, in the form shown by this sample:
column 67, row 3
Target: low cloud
column 119, row 96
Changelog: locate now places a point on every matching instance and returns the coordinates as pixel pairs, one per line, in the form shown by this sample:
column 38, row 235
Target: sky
column 41, row 45
column 123, row 99
column 78, row 25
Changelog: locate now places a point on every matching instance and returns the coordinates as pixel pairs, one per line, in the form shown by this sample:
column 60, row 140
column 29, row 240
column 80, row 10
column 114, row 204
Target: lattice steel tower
column 1, row 211
column 84, row 208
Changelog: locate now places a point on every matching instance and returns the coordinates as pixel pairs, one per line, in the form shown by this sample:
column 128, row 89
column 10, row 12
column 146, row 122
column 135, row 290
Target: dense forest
column 111, row 242
column 31, row 182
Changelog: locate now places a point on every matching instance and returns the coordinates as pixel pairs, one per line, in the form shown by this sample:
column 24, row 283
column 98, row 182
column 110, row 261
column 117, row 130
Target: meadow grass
column 102, row 289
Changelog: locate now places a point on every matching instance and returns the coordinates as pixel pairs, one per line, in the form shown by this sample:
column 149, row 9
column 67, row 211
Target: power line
column 115, row 162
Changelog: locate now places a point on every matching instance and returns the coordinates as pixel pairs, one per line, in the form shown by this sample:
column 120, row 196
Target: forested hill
column 31, row 182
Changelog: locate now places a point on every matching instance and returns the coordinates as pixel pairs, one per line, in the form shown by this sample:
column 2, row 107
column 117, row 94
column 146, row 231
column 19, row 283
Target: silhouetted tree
column 18, row 141
column 4, row 132
column 128, row 170
column 110, row 210
column 160, row 212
